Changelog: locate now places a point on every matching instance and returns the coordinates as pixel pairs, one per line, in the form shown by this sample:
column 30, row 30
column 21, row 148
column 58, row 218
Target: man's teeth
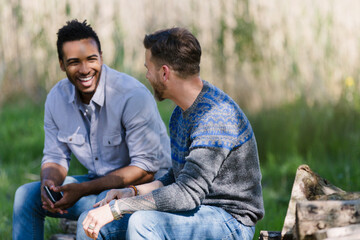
column 86, row 79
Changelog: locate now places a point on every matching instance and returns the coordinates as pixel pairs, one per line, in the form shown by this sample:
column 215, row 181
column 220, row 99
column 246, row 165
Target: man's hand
column 52, row 175
column 72, row 193
column 115, row 194
column 47, row 203
column 96, row 219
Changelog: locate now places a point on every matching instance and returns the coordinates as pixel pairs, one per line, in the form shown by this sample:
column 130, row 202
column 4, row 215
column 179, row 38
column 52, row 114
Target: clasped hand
column 102, row 215
column 115, row 194
column 71, row 194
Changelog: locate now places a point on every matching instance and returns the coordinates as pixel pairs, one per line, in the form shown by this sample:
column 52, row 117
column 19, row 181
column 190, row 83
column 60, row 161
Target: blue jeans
column 29, row 216
column 204, row 222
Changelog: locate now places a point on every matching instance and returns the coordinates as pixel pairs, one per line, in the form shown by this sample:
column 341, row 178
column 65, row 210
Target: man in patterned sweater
column 213, row 190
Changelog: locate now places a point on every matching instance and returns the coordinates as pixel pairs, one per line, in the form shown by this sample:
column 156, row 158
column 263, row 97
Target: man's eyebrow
column 94, row 55
column 75, row 59
column 71, row 59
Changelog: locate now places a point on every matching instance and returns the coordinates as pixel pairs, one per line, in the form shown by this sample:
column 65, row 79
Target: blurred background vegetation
column 292, row 66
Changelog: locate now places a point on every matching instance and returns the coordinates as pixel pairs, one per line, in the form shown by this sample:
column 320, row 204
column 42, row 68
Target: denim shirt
column 125, row 127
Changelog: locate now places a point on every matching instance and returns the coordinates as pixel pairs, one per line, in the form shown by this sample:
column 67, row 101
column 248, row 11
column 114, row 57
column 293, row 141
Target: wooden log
column 354, row 236
column 312, row 216
column 307, row 186
column 270, row 235
column 339, row 232
column 339, row 196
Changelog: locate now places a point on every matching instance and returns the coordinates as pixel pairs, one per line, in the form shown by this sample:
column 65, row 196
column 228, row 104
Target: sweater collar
column 197, row 100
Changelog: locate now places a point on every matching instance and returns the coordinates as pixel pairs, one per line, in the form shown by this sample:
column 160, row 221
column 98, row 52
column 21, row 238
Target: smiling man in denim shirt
column 107, row 119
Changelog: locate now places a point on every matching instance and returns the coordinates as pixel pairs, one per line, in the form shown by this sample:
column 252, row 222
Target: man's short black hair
column 73, row 31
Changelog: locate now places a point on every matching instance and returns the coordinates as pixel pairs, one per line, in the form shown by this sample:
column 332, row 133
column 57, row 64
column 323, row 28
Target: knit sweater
column 215, row 159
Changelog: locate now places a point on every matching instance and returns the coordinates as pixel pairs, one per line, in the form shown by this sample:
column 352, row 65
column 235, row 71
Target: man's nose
column 84, row 69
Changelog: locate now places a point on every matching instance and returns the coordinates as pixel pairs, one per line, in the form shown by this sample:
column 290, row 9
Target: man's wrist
column 85, row 188
column 134, row 189
column 48, row 182
column 115, row 211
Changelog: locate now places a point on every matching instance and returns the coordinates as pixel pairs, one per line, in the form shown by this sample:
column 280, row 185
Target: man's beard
column 159, row 89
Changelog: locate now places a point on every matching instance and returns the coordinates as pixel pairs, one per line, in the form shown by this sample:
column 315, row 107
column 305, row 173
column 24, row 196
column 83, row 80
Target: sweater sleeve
column 168, row 178
column 193, row 182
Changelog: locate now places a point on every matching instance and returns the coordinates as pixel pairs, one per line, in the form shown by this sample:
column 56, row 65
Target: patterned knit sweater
column 215, row 159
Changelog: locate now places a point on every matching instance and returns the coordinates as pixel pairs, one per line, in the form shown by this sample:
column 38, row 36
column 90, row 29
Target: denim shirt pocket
column 111, row 141
column 71, row 138
column 113, row 149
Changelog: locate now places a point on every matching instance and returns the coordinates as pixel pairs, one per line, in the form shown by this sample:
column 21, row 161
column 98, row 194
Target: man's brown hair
column 175, row 47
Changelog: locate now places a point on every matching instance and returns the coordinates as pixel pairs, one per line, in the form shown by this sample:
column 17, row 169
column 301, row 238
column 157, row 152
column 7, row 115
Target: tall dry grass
column 261, row 52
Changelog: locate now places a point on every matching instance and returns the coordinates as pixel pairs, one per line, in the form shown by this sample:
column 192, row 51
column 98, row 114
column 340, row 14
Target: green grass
column 21, row 135
column 323, row 136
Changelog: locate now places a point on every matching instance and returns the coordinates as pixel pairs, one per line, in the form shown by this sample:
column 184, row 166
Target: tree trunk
column 351, row 231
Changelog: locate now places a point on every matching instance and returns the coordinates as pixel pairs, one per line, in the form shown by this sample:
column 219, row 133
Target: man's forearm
column 144, row 202
column 130, row 205
column 149, row 187
column 119, row 178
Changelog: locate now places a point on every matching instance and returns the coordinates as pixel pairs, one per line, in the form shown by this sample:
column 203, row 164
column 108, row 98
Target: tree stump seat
column 318, row 210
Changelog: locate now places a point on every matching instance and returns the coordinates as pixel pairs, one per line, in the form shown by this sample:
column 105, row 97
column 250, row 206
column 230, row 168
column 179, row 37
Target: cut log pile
column 318, row 210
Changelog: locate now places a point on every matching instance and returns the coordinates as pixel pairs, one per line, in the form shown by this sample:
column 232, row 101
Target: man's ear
column 165, row 72
column 62, row 65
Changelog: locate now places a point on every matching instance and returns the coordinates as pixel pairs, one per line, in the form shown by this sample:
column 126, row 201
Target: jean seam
column 233, row 234
column 230, row 224
column 231, row 228
column 228, row 236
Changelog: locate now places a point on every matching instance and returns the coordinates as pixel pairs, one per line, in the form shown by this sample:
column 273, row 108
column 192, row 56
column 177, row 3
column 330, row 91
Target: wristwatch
column 115, row 210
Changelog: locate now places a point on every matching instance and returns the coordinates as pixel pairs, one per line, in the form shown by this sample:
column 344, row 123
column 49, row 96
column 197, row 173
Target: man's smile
column 82, row 79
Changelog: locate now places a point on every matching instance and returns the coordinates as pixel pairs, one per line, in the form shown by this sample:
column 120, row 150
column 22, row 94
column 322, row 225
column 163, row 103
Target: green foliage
column 220, row 47
column 67, row 9
column 118, row 38
column 17, row 11
column 244, row 35
column 166, row 107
